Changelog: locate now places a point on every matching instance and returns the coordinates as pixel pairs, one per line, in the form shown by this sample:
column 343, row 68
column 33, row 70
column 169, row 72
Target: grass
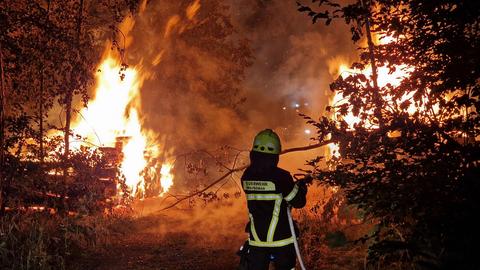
column 43, row 241
column 328, row 228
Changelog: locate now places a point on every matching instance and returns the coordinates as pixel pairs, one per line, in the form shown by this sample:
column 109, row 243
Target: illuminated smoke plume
column 200, row 89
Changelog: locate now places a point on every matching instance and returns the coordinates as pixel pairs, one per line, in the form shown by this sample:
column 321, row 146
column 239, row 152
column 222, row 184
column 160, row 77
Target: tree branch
column 233, row 170
column 205, row 188
column 304, row 148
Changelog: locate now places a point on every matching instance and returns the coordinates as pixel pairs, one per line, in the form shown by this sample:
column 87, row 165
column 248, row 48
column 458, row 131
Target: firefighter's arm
column 295, row 193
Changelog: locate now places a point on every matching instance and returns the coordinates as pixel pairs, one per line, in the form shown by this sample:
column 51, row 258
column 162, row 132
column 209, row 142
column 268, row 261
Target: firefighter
column 269, row 191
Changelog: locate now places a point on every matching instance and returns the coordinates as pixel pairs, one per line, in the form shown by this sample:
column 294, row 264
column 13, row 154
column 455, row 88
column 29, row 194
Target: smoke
column 191, row 94
column 216, row 223
column 295, row 61
column 216, row 72
column 203, row 90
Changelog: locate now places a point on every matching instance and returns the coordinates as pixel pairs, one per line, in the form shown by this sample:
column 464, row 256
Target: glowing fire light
column 112, row 117
column 113, row 114
column 166, row 180
column 384, row 77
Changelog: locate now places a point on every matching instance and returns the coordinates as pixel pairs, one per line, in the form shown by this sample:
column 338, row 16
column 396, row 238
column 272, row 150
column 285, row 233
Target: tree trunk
column 69, row 99
column 68, row 117
column 371, row 46
column 2, row 131
column 371, row 50
column 41, row 105
column 40, row 118
column 68, row 107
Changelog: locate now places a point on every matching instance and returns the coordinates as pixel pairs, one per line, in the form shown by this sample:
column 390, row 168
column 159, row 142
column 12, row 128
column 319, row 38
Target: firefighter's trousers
column 283, row 258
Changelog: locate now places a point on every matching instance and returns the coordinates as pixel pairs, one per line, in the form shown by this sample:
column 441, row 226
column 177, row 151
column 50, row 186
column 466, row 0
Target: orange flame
column 192, row 9
column 166, row 179
column 114, row 114
column 384, row 77
column 171, row 24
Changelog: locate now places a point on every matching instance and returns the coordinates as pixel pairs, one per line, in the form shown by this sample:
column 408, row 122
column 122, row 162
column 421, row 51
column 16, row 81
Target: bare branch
column 205, row 188
column 305, row 148
column 233, row 170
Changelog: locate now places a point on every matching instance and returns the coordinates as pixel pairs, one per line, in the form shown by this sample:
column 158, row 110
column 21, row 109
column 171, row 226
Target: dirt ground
column 173, row 251
column 199, row 238
column 203, row 237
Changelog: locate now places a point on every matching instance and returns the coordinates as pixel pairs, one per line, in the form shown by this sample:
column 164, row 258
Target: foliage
column 88, row 188
column 39, row 41
column 327, row 227
column 49, row 203
column 49, row 50
column 411, row 161
column 42, row 240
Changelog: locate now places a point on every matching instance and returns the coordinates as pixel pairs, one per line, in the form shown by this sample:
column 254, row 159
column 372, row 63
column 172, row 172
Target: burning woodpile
column 112, row 120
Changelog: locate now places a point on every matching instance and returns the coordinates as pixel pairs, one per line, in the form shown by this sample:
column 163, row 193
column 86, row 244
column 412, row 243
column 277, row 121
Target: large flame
column 166, row 179
column 112, row 120
column 384, row 77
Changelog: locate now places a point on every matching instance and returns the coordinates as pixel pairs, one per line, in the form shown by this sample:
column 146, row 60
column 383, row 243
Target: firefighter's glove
column 302, row 186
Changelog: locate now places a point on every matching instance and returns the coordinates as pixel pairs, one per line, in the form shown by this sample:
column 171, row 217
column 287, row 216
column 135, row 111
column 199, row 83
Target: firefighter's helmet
column 267, row 141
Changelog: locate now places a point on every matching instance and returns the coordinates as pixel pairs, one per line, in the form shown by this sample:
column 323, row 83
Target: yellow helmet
column 267, row 141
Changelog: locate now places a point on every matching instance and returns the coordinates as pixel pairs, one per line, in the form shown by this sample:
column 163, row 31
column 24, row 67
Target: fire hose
column 295, row 242
column 307, row 178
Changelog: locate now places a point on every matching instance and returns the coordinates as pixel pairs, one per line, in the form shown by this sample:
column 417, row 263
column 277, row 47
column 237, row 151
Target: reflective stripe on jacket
column 268, row 192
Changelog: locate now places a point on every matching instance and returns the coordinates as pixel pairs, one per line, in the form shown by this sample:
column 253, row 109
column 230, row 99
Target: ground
column 203, row 237
column 153, row 251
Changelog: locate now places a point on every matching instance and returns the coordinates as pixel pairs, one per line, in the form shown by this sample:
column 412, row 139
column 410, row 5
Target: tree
column 410, row 162
column 49, row 50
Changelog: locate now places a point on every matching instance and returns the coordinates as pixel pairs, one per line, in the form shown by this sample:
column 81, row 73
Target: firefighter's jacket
column 268, row 190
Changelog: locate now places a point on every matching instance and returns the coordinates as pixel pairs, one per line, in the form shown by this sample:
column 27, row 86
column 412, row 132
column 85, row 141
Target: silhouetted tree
column 412, row 160
column 49, row 50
